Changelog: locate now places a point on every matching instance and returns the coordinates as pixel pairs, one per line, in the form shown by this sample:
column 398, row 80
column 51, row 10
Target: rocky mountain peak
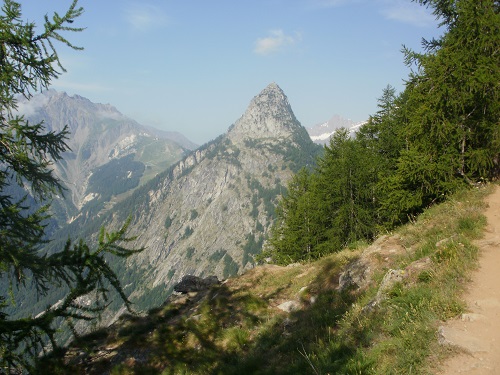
column 269, row 115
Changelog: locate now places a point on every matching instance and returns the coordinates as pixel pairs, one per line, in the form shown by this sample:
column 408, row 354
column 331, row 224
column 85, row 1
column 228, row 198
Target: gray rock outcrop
column 190, row 283
column 358, row 275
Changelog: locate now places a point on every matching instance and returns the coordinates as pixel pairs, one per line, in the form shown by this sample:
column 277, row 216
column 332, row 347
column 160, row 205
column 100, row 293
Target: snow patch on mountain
column 322, row 133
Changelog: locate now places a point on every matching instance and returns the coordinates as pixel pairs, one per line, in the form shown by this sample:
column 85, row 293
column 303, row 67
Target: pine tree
column 28, row 63
column 449, row 125
column 297, row 230
column 382, row 132
column 385, row 139
column 347, row 174
column 454, row 99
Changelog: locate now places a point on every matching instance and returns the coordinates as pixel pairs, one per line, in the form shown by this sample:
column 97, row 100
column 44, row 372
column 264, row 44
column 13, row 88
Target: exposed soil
column 477, row 333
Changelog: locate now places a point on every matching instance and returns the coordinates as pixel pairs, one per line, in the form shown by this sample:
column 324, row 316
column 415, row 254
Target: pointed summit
column 272, row 102
column 269, row 115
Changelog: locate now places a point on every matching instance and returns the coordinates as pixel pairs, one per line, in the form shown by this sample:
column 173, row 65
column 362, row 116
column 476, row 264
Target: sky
column 193, row 66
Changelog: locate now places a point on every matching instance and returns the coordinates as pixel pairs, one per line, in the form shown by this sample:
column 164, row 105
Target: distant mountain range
column 109, row 155
column 203, row 212
column 322, row 133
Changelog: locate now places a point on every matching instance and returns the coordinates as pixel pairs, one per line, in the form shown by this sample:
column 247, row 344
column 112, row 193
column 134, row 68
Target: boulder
column 359, row 274
column 190, row 283
column 289, row 306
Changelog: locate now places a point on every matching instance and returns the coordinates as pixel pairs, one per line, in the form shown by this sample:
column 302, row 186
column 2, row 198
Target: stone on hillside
column 358, row 274
column 396, row 276
column 289, row 306
column 190, row 283
column 390, row 279
column 418, row 266
column 445, row 241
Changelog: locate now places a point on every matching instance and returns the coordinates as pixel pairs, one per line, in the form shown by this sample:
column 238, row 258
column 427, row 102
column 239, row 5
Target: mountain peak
column 273, row 86
column 272, row 102
column 269, row 115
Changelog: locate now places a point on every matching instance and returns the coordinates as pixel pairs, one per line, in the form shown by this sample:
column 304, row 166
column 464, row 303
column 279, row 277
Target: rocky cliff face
column 209, row 214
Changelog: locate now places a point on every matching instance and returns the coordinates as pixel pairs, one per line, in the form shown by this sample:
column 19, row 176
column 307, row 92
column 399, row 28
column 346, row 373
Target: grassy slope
column 236, row 328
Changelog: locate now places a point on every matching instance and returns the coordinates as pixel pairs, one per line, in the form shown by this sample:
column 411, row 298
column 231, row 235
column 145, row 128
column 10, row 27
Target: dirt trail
column 478, row 331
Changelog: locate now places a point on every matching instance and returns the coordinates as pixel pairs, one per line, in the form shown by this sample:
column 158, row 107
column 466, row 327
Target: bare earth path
column 478, row 331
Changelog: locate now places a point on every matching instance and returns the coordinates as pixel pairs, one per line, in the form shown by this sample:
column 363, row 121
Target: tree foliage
column 452, row 132
column 28, row 63
column 328, row 208
column 346, row 177
column 296, row 233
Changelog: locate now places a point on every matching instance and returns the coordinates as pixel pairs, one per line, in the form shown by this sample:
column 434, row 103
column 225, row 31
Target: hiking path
column 477, row 332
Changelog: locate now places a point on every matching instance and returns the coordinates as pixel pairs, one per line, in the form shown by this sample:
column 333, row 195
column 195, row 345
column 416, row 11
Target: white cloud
column 274, row 42
column 145, row 17
column 29, row 108
column 408, row 12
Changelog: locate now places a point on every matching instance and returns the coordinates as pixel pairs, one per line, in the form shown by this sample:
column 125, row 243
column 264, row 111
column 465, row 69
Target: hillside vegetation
column 367, row 310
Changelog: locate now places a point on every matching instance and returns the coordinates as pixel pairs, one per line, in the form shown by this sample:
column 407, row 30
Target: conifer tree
column 382, row 132
column 384, row 138
column 451, row 129
column 454, row 98
column 346, row 175
column 297, row 230
column 28, row 63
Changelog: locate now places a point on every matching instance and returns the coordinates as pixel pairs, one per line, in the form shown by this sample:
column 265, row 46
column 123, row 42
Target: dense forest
column 440, row 134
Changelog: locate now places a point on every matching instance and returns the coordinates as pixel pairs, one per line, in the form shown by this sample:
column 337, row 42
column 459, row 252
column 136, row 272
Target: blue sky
column 194, row 65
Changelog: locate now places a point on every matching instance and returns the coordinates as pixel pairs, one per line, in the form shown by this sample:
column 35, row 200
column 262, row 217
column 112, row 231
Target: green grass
column 237, row 329
column 404, row 330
